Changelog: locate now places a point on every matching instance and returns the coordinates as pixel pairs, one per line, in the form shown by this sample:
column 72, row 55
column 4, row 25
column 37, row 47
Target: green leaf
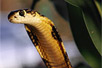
column 98, row 4
column 85, row 22
column 92, row 19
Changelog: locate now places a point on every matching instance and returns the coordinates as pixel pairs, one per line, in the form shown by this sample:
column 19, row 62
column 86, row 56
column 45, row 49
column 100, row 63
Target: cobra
column 44, row 36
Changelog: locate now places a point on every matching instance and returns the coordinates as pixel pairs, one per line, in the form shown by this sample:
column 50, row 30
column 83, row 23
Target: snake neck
column 49, row 44
column 42, row 31
column 42, row 27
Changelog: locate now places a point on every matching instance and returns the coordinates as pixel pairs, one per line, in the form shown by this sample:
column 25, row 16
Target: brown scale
column 57, row 37
column 36, row 42
column 47, row 63
column 33, row 37
column 55, row 34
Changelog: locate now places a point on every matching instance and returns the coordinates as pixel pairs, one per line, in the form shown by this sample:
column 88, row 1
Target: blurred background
column 16, row 48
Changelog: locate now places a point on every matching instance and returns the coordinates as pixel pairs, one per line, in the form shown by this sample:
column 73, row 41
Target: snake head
column 24, row 16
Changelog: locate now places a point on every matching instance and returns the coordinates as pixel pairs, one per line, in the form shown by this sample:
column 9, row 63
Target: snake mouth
column 11, row 14
column 10, row 20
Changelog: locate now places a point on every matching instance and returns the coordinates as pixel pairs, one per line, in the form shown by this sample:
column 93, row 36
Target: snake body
column 44, row 36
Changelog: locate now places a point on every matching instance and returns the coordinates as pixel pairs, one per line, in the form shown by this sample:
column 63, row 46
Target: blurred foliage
column 82, row 65
column 85, row 21
column 99, row 6
column 33, row 4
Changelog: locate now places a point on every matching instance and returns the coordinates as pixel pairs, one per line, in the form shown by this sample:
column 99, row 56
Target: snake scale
column 44, row 36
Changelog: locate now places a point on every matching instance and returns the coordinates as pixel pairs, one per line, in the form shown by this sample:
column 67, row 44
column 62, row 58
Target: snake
column 44, row 36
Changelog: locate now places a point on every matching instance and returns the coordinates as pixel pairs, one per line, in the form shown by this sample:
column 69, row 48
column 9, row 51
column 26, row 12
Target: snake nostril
column 15, row 17
column 10, row 20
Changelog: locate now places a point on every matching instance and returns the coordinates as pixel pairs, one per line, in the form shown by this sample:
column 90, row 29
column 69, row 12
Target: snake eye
column 21, row 13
